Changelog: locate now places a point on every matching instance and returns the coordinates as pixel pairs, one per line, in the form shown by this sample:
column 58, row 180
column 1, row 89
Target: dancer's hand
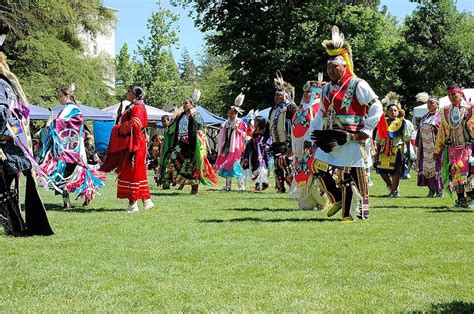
column 360, row 136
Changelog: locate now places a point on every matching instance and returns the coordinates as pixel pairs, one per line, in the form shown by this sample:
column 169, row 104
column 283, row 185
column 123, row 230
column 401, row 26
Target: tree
column 45, row 50
column 48, row 64
column 125, row 70
column 214, row 82
column 438, row 46
column 187, row 68
column 157, row 71
column 290, row 40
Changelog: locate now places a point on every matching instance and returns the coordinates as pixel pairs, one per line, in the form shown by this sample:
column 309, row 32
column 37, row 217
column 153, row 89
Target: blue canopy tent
column 38, row 113
column 208, row 117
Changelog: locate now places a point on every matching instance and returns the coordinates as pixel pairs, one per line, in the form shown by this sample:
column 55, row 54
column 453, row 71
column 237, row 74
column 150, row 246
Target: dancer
column 302, row 149
column 16, row 157
column 255, row 157
column 390, row 156
column 231, row 145
column 127, row 151
column 429, row 168
column 453, row 143
column 350, row 110
column 279, row 130
column 184, row 153
column 63, row 153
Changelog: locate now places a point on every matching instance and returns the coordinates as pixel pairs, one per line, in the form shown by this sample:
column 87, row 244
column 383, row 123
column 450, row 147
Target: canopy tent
column 38, row 113
column 421, row 110
column 90, row 113
column 208, row 117
column 154, row 114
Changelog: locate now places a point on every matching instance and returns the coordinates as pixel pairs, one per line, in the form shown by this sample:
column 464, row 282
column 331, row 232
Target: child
column 255, row 156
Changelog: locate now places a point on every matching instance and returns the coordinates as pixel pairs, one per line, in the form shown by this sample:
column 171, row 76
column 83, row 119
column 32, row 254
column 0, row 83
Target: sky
column 133, row 15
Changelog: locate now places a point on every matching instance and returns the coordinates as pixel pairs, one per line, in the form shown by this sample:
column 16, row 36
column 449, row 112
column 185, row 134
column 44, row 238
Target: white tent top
column 421, row 110
column 154, row 114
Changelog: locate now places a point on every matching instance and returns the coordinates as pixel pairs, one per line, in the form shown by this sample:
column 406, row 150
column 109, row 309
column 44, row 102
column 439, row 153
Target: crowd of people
column 322, row 150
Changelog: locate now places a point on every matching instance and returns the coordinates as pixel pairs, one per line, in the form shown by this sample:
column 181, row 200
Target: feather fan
column 330, row 140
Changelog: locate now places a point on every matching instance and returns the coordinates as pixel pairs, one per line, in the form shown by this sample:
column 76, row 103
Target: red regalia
column 127, row 153
column 299, row 128
column 342, row 110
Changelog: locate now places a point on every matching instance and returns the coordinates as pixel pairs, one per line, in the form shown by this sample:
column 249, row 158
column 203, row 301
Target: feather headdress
column 422, row 97
column 337, row 46
column 239, row 100
column 392, row 99
column 284, row 87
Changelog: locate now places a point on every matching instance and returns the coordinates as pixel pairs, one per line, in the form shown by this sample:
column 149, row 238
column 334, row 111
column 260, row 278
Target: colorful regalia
column 390, row 161
column 349, row 107
column 303, row 151
column 429, row 164
column 184, row 154
column 255, row 158
column 453, row 143
column 16, row 157
column 64, row 158
column 231, row 145
column 127, row 152
column 279, row 130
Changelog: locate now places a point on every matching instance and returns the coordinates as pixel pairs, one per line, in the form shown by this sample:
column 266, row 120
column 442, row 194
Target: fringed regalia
column 349, row 106
column 231, row 145
column 64, row 158
column 279, row 129
column 302, row 152
column 390, row 157
column 127, row 151
column 429, row 164
column 16, row 157
column 256, row 159
column 184, row 158
column 453, row 143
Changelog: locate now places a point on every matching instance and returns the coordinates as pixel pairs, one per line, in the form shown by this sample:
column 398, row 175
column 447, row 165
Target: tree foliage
column 406, row 58
column 45, row 49
column 214, row 82
column 154, row 66
column 187, row 68
column 290, row 40
column 438, row 48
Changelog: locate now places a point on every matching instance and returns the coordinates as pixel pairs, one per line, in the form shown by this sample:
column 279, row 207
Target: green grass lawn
column 240, row 251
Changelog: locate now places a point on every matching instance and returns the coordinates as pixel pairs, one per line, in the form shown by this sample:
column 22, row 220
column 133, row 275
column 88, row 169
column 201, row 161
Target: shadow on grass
column 411, row 206
column 451, row 307
column 440, row 211
column 154, row 193
column 266, row 209
column 255, row 219
column 402, row 196
column 80, row 209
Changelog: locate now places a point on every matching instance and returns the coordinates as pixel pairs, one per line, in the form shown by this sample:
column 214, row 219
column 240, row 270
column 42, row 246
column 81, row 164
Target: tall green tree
column 187, row 68
column 290, row 39
column 438, row 48
column 157, row 71
column 125, row 70
column 214, row 82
